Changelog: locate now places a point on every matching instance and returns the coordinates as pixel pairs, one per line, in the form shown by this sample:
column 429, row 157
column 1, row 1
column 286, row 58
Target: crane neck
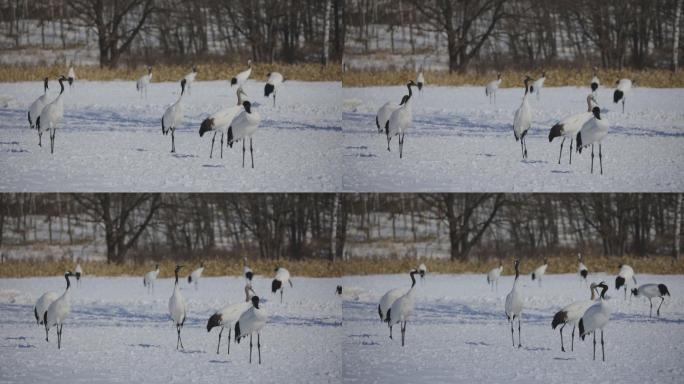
column 176, row 272
column 68, row 283
column 413, row 279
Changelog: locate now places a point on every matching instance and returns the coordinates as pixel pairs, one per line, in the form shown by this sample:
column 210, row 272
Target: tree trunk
column 675, row 40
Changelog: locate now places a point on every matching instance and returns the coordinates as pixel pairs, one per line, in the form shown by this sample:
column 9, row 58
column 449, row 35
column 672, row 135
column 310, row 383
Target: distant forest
column 300, row 226
column 521, row 33
column 172, row 30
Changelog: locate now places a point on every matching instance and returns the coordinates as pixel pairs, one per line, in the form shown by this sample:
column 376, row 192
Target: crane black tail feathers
column 617, row 96
column 594, row 87
column 584, row 273
column 388, row 317
column 268, row 89
column 276, row 285
column 249, row 275
column 206, row 126
column 190, row 279
column 377, row 122
column 214, row 321
column 233, row 81
column 619, row 282
column 387, row 128
column 579, row 142
column 559, row 318
column 31, row 122
column 144, row 282
column 237, row 332
column 379, row 313
column 45, row 319
column 486, row 91
column 556, row 130
column 663, row 290
column 230, row 137
column 38, row 122
column 581, row 328
column 35, row 312
column 533, row 276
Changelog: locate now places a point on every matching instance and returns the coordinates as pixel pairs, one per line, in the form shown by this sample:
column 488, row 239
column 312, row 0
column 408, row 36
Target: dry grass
column 656, row 78
column 565, row 264
column 28, row 268
column 214, row 71
column 355, row 266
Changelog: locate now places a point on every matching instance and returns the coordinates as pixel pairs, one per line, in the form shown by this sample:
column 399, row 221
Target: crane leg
column 603, row 351
column 274, row 99
column 403, row 333
column 662, row 300
column 522, row 149
column 623, row 105
column 601, row 164
column 222, row 145
column 401, row 146
column 173, row 140
column 572, row 339
column 525, row 140
column 251, row 150
column 211, row 153
column 281, row 296
column 561, row 151
column 592, row 158
column 46, row 332
column 258, row 334
column 561, row 332
column 250, row 348
column 243, row 153
column 594, row 345
column 229, row 330
column 512, row 338
column 650, row 312
column 218, row 347
column 388, row 141
column 519, row 342
column 570, row 151
column 40, row 141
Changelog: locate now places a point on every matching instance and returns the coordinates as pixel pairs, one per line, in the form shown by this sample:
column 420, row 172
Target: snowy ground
column 110, row 140
column 459, row 142
column 118, row 333
column 459, row 333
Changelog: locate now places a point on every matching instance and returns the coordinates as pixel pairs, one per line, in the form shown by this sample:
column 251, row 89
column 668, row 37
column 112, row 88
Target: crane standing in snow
column 282, row 277
column 150, row 278
column 220, row 121
column 596, row 318
column 229, row 315
column 625, row 274
column 173, row 117
column 243, row 76
column 243, row 127
column 540, row 271
column 58, row 311
column 493, row 276
column 195, row 275
column 250, row 322
column 522, row 121
column 273, row 82
column 143, row 82
column 400, row 121
column 650, row 291
column 402, row 308
column 177, row 308
column 492, row 87
column 37, row 106
column 569, row 126
column 50, row 116
column 571, row 314
column 514, row 304
column 593, row 131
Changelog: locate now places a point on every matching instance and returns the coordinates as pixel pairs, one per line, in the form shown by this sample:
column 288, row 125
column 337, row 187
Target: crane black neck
column 517, row 272
column 61, row 84
column 413, row 278
column 176, row 272
column 66, row 276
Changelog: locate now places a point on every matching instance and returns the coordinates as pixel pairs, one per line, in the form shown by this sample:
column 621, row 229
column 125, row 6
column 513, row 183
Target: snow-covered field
column 459, row 333
column 110, row 140
column 118, row 333
column 459, row 142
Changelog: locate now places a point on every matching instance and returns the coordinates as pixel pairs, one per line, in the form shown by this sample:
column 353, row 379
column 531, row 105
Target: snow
column 461, row 143
column 459, row 333
column 116, row 332
column 110, row 140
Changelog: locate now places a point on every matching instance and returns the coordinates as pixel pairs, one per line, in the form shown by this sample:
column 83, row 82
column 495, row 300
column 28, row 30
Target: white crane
column 243, row 126
column 250, row 322
column 493, row 276
column 177, row 308
column 402, row 308
column 400, row 121
column 150, row 278
column 514, row 304
column 540, row 271
column 50, row 116
column 37, row 106
column 569, row 126
column 195, row 275
column 625, row 274
column 623, row 87
column 596, row 318
column 71, row 76
column 190, row 78
column 78, row 272
column 523, row 120
column 571, row 314
column 42, row 306
column 593, row 132
column 281, row 278
column 220, row 121
column 650, row 291
column 492, row 87
column 581, row 268
column 595, row 83
column 420, row 81
column 273, row 82
column 57, row 312
column 385, row 304
column 385, row 112
column 143, row 82
column 422, row 269
column 242, row 77
column 246, row 270
column 229, row 315
column 538, row 84
column 173, row 117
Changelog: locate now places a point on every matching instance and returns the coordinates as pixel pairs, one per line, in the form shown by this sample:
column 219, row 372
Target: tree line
column 265, row 30
column 300, row 226
column 527, row 33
